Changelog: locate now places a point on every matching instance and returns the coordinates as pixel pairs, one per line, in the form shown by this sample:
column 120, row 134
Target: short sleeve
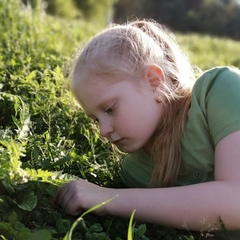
column 221, row 88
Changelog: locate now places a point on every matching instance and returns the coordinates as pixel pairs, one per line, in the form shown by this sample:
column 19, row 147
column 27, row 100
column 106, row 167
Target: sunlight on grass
column 207, row 51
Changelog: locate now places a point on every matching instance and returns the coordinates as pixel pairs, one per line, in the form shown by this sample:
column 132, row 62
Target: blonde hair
column 124, row 50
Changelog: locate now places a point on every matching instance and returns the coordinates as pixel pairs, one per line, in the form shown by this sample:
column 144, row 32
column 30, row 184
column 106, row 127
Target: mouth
column 118, row 142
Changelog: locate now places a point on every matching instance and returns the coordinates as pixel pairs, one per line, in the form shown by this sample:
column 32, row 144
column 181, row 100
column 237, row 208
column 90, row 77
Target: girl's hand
column 80, row 195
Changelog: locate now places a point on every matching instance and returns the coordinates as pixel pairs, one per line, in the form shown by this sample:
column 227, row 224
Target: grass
column 207, row 51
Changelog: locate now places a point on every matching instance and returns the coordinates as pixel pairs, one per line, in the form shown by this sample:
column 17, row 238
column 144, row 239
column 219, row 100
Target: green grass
column 207, row 51
column 45, row 138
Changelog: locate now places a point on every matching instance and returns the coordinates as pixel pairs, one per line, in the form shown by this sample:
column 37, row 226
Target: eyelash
column 110, row 109
column 107, row 110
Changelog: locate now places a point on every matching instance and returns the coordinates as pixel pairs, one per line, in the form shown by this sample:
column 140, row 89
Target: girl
column 182, row 135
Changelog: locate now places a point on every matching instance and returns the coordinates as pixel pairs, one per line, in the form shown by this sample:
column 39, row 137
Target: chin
column 129, row 149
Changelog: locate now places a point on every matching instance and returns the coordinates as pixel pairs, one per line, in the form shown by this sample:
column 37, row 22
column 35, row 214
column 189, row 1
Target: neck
column 149, row 146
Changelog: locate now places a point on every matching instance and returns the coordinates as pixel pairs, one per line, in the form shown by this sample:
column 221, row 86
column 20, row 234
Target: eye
column 110, row 109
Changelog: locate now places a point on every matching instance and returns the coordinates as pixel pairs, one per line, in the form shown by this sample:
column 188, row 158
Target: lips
column 118, row 142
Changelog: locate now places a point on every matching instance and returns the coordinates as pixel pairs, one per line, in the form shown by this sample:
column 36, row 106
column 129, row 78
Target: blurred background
column 214, row 17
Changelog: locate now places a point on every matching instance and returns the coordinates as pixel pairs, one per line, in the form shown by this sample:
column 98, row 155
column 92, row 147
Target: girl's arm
column 197, row 207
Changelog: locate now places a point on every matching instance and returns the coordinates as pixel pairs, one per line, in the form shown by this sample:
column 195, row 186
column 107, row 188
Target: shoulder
column 217, row 85
column 216, row 92
column 218, row 76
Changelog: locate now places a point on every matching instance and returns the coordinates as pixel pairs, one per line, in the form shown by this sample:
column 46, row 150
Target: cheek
column 125, row 121
column 137, row 115
column 130, row 121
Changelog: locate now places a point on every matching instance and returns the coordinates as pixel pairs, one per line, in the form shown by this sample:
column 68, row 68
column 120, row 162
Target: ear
column 154, row 76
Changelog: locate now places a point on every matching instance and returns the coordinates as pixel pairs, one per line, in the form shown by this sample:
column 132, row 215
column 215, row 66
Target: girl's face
column 127, row 112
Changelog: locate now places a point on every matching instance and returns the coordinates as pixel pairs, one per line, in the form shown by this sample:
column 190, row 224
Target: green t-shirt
column 214, row 113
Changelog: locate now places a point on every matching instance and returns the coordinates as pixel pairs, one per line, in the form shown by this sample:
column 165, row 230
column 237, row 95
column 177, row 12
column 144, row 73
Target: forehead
column 94, row 90
column 93, row 83
column 98, row 87
column 96, row 81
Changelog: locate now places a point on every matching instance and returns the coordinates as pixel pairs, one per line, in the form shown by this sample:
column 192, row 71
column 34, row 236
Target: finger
column 59, row 196
column 66, row 198
column 53, row 202
column 73, row 207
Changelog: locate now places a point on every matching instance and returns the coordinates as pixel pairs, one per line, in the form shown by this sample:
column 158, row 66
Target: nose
column 106, row 128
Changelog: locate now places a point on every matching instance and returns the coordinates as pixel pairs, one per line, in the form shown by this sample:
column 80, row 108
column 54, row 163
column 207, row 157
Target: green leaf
column 7, row 231
column 42, row 234
column 25, row 234
column 9, row 187
column 28, row 201
column 63, row 225
column 95, row 228
column 141, row 230
column 60, row 162
column 13, row 217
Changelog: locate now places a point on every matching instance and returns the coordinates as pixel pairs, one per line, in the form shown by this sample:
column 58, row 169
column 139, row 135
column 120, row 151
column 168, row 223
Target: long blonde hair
column 124, row 50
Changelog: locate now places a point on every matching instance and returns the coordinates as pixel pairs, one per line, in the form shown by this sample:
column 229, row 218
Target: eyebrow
column 101, row 105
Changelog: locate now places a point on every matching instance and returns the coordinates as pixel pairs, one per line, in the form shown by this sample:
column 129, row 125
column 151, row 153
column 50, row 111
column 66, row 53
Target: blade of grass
column 130, row 226
column 68, row 235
